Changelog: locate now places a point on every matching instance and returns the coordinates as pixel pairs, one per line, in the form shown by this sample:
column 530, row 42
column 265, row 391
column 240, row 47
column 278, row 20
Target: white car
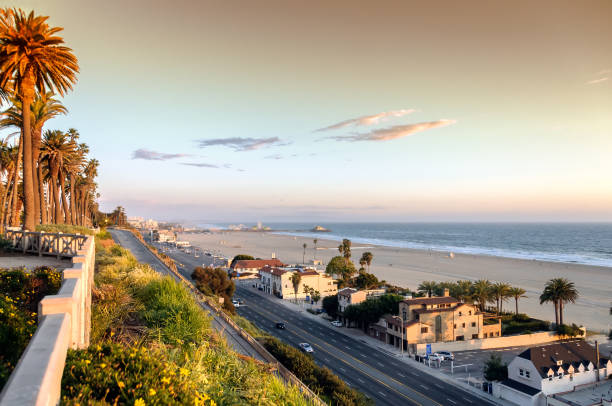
column 446, row 355
column 235, row 303
column 336, row 323
column 306, row 347
column 434, row 357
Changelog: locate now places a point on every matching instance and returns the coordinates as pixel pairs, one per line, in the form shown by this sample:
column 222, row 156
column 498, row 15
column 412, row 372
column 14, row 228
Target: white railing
column 41, row 243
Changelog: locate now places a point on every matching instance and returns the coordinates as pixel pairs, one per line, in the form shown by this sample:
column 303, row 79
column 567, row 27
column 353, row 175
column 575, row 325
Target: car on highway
column 306, row 347
column 235, row 303
column 447, row 355
column 336, row 323
column 281, row 325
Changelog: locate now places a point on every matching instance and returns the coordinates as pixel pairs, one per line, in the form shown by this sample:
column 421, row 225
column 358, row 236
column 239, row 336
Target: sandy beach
column 408, row 267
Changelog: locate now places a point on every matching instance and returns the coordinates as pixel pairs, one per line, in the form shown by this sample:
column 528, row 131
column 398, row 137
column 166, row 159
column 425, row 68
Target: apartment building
column 277, row 281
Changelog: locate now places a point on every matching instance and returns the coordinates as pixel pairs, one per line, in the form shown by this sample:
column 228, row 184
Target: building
column 164, row 236
column 350, row 296
column 540, row 373
column 254, row 265
column 434, row 319
column 277, row 281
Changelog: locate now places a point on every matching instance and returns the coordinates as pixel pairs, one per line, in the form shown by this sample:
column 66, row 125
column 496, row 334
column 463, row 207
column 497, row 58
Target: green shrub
column 172, row 312
column 104, row 235
column 495, row 369
column 64, row 228
column 522, row 324
column 127, row 375
column 5, row 244
column 570, row 331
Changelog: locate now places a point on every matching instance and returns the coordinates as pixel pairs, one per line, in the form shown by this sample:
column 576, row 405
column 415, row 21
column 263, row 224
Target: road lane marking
column 467, row 400
column 452, row 401
column 360, row 380
column 402, row 375
column 342, row 369
column 382, row 365
column 382, row 393
column 438, row 385
column 424, row 387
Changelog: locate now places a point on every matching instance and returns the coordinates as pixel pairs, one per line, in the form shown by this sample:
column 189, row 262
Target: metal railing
column 41, row 243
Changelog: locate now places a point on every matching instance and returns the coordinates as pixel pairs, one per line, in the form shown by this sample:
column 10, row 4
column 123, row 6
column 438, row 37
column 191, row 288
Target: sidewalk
column 358, row 334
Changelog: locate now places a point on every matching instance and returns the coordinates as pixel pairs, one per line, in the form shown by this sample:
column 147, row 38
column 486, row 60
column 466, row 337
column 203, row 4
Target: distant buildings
column 553, row 375
column 164, row 236
column 277, row 281
column 140, row 222
column 433, row 319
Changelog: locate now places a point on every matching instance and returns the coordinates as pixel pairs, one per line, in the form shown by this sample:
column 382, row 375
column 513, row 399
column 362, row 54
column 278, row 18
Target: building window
column 423, row 330
column 521, row 372
column 463, row 325
column 470, row 312
column 527, row 374
column 473, row 324
column 459, row 313
column 404, row 315
column 474, row 336
column 459, row 338
column 454, row 325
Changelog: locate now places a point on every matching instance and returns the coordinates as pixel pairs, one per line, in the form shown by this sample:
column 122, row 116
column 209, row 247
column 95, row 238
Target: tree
column 366, row 280
column 495, row 369
column 427, row 287
column 461, row 290
column 500, row 292
column 559, row 291
column 214, row 282
column 315, row 241
column 32, row 58
column 345, row 249
column 315, row 295
column 481, row 292
column 240, row 257
column 341, row 267
column 330, row 305
column 304, row 253
column 517, row 293
column 296, row 278
column 367, row 257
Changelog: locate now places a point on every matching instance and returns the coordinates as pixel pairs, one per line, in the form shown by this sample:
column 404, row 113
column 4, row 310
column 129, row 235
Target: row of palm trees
column 39, row 169
column 557, row 291
column 46, row 175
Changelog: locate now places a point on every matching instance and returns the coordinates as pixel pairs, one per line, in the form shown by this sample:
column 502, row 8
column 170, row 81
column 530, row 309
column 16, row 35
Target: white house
column 547, row 370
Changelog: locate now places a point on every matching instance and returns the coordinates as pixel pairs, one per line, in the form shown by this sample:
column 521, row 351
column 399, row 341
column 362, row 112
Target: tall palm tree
column 367, row 257
column 304, row 253
column 345, row 249
column 74, row 166
column 427, row 287
column 559, row 291
column 295, row 280
column 32, row 58
column 315, row 241
column 462, row 290
column 500, row 292
column 517, row 293
column 481, row 292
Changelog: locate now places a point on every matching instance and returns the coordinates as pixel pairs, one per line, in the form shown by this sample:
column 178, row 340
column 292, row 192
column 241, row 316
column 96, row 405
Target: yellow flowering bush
column 127, row 375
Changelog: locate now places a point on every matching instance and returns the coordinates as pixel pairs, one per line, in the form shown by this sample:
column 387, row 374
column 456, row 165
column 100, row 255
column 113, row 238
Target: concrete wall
column 517, row 397
column 64, row 322
column 496, row 342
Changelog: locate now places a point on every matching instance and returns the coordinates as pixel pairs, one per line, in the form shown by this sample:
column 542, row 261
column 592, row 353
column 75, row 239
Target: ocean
column 578, row 243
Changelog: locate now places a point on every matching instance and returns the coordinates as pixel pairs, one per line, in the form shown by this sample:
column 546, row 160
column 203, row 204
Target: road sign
column 428, row 349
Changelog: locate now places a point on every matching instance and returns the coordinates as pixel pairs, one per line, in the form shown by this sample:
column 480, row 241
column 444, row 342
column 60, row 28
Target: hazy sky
column 322, row 110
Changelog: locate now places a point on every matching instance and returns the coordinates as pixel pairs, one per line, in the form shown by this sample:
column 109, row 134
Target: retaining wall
column 64, row 321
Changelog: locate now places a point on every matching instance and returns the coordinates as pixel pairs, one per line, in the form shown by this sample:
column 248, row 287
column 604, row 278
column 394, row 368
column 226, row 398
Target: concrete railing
column 64, row 321
column 42, row 243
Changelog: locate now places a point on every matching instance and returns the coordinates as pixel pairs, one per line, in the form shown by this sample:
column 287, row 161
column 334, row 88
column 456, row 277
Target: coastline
column 408, row 267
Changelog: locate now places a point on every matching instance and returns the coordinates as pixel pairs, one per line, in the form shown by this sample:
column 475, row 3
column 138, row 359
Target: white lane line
column 360, row 380
column 438, row 385
column 363, row 355
column 382, row 365
column 347, row 347
column 394, row 364
column 326, row 359
column 452, row 401
column 467, row 400
column 382, row 393
column 402, row 375
column 424, row 387
column 334, row 340
column 414, row 373
column 342, row 369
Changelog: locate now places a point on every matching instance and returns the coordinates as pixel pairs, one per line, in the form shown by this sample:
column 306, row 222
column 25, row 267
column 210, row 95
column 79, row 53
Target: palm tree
column 481, row 292
column 315, row 241
column 295, row 280
column 427, row 287
column 32, row 58
column 304, row 253
column 462, row 290
column 500, row 292
column 559, row 291
column 367, row 257
column 517, row 293
column 345, row 249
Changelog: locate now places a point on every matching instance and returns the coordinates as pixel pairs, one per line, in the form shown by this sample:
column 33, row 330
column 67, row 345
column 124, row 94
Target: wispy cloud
column 149, row 155
column 199, row 164
column 241, row 144
column 391, row 133
column 367, row 120
column 275, row 156
column 595, row 81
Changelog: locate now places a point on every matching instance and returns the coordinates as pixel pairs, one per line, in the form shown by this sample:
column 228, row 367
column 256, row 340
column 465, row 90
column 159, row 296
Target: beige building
column 434, row 319
column 351, row 296
column 254, row 265
column 277, row 281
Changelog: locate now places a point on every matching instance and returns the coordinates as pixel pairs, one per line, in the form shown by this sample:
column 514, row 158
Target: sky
column 319, row 111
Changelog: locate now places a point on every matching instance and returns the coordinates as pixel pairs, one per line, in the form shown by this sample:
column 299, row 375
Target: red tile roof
column 309, row 272
column 430, row 300
column 257, row 263
column 346, row 291
column 273, row 271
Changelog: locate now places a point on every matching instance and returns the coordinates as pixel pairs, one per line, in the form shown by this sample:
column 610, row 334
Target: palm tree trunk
column 72, row 201
column 56, row 200
column 36, row 142
column 6, row 204
column 556, row 312
column 27, row 93
column 41, row 195
column 561, row 312
column 516, row 303
column 62, row 180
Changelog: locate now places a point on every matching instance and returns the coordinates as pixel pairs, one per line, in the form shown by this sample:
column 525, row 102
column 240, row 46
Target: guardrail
column 282, row 371
column 64, row 321
column 41, row 243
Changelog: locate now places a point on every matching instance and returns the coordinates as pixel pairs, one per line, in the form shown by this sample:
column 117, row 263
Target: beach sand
column 408, row 267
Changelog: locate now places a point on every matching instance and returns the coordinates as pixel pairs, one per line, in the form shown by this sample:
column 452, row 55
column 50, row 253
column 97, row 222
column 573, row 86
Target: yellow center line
column 364, row 372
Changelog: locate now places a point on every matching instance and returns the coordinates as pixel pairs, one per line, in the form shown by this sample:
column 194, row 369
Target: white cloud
column 391, row 133
column 241, row 144
column 149, row 155
column 595, row 81
column 367, row 120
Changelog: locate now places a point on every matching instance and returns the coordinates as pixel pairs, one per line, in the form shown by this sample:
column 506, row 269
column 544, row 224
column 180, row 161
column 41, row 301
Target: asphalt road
column 378, row 375
column 142, row 254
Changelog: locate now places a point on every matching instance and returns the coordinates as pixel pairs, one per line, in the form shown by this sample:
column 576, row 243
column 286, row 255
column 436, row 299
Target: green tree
column 315, row 241
column 495, row 369
column 316, row 296
column 367, row 258
column 341, row 267
column 559, row 291
column 427, row 287
column 304, row 253
column 345, row 249
column 517, row 293
column 366, row 280
column 32, row 58
column 481, row 293
column 330, row 305
column 296, row 278
column 500, row 292
column 215, row 282
column 240, row 257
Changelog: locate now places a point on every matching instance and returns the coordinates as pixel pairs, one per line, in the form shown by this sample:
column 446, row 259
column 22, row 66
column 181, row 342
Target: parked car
column 306, row 347
column 446, row 355
column 336, row 323
column 434, row 357
column 280, row 325
column 260, row 288
column 318, row 311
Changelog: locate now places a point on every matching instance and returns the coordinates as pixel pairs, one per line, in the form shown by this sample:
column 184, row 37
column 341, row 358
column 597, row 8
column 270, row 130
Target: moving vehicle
column 306, row 347
column 336, row 323
column 281, row 325
column 446, row 355
column 235, row 303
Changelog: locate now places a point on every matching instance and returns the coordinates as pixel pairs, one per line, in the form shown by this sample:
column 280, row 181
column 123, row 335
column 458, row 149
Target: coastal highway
column 127, row 240
column 379, row 375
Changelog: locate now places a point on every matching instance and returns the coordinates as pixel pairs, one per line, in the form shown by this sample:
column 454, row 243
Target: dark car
column 280, row 326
